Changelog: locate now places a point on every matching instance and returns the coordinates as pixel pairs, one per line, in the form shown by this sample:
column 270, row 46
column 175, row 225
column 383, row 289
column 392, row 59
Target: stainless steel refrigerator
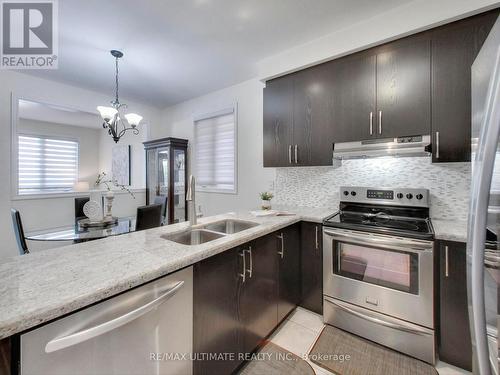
column 483, row 254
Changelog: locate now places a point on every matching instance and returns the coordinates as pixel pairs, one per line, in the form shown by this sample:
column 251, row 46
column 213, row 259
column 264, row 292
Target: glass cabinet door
column 179, row 177
column 163, row 173
column 152, row 182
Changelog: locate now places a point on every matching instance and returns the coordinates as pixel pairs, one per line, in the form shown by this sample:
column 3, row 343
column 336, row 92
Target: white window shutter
column 215, row 149
column 46, row 165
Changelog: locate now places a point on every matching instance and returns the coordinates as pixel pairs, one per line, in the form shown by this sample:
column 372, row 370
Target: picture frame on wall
column 120, row 166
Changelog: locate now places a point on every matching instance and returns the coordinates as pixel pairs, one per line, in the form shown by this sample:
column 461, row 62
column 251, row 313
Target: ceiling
column 55, row 114
column 179, row 49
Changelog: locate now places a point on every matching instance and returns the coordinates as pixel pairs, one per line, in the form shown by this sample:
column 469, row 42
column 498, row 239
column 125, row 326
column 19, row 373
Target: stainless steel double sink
column 209, row 232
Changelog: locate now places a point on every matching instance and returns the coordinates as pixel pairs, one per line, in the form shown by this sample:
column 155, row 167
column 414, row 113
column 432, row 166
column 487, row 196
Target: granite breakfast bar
column 39, row 287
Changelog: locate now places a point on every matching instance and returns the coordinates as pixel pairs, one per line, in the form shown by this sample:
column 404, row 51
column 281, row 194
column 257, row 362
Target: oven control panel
column 379, row 194
column 396, row 196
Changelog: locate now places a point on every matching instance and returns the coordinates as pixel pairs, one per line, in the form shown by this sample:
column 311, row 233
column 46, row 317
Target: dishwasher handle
column 89, row 333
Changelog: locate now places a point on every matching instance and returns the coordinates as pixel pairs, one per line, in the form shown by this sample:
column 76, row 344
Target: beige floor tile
column 446, row 369
column 294, row 338
column 307, row 319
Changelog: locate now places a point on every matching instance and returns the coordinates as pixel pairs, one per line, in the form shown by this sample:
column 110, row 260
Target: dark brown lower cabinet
column 454, row 334
column 234, row 314
column 6, row 356
column 312, row 266
column 216, row 324
column 288, row 270
column 258, row 294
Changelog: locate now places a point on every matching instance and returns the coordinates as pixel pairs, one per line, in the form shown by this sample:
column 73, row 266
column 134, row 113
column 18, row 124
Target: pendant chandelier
column 113, row 119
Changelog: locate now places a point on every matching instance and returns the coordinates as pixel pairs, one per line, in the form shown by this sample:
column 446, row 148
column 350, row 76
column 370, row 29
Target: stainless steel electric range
column 378, row 273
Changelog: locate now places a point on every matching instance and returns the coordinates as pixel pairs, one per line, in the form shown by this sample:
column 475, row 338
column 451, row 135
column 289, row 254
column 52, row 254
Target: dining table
column 78, row 233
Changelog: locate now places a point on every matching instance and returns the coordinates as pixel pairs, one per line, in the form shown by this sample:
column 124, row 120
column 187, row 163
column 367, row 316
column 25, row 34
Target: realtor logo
column 29, row 34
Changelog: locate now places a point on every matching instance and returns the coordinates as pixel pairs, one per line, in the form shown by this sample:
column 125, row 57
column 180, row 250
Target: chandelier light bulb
column 107, row 113
column 133, row 119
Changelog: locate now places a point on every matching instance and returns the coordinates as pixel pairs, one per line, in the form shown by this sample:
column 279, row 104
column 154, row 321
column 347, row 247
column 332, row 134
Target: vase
column 110, row 195
column 266, row 205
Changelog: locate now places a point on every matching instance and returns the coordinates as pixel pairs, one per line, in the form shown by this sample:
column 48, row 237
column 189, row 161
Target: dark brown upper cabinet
column 454, row 48
column 278, row 122
column 312, row 125
column 353, row 97
column 297, row 120
column 404, row 88
column 416, row 85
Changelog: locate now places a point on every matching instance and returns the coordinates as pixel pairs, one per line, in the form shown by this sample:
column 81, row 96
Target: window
column 215, row 148
column 46, row 165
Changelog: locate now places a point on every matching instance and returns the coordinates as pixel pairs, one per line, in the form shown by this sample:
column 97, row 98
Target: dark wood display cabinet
column 241, row 295
column 166, row 175
column 415, row 85
column 454, row 343
column 312, row 266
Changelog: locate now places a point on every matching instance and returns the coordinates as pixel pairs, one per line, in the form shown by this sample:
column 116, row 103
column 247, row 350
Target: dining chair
column 79, row 203
column 148, row 217
column 19, row 232
column 163, row 200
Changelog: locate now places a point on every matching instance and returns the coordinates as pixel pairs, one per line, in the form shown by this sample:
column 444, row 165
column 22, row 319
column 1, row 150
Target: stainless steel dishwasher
column 147, row 330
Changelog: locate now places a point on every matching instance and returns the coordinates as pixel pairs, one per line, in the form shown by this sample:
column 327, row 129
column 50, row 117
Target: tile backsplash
column 449, row 184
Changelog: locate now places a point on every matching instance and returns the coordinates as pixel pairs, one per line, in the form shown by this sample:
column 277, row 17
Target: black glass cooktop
column 398, row 221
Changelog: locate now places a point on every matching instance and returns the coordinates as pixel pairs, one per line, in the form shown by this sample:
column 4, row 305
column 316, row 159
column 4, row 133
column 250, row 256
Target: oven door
column 390, row 275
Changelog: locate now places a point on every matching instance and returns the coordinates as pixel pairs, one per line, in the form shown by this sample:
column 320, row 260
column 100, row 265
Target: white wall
column 47, row 212
column 87, row 139
column 177, row 121
column 406, row 19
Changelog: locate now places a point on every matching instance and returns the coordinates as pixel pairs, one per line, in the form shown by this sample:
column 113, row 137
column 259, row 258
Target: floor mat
column 365, row 357
column 274, row 360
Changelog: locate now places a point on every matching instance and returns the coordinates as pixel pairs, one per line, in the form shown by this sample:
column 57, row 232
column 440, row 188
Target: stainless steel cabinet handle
column 296, row 154
column 371, row 123
column 379, row 122
column 250, row 268
column 244, row 273
column 437, row 145
column 282, row 252
column 317, row 237
column 446, row 267
column 89, row 333
column 290, row 154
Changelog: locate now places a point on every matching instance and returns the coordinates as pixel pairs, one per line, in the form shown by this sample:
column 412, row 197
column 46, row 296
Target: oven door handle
column 362, row 315
column 388, row 243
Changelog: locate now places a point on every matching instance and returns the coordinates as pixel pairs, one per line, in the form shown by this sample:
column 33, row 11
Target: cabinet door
column 353, row 97
column 153, row 189
column 454, row 48
column 288, row 270
column 278, row 122
column 312, row 267
column 258, row 295
column 454, row 334
column 404, row 88
column 312, row 126
column 216, row 325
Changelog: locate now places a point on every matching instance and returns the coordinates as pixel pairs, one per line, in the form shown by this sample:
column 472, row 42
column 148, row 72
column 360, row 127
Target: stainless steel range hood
column 373, row 148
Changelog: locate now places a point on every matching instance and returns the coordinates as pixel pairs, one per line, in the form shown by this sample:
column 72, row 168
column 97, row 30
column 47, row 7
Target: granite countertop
column 450, row 230
column 38, row 287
